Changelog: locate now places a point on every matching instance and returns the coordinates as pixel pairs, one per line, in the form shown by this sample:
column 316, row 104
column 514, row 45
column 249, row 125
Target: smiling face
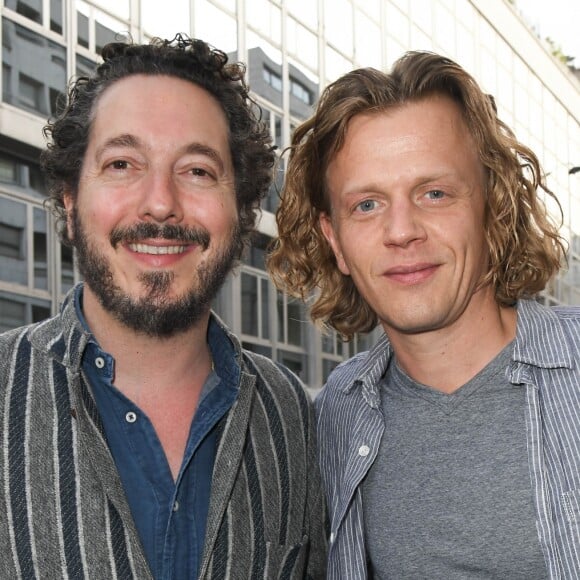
column 155, row 220
column 406, row 193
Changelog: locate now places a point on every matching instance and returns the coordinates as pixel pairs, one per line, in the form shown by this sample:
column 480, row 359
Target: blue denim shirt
column 170, row 515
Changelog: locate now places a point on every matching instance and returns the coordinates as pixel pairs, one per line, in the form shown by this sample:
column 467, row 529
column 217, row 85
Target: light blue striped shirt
column 546, row 362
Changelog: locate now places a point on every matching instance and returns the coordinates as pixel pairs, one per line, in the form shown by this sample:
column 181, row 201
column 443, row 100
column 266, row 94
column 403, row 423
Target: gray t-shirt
column 449, row 495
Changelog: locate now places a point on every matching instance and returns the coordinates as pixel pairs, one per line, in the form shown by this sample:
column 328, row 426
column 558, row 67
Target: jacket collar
column 65, row 338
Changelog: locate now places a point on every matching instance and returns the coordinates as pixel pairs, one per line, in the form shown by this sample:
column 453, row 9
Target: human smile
column 411, row 273
column 156, row 250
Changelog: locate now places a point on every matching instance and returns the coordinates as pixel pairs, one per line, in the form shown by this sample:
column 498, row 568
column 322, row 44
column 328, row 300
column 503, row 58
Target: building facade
column 293, row 49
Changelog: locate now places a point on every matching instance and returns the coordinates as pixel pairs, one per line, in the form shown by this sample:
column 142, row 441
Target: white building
column 294, row 48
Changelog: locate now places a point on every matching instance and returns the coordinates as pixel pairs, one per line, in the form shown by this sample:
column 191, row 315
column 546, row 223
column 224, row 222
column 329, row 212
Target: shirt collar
column 225, row 348
column 540, row 338
column 540, row 341
column 371, row 367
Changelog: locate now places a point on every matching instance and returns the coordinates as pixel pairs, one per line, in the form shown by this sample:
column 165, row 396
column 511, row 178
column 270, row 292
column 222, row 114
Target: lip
column 410, row 274
column 156, row 249
column 158, row 253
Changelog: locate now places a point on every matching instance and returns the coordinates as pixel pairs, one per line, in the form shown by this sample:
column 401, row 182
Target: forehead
column 156, row 99
column 434, row 125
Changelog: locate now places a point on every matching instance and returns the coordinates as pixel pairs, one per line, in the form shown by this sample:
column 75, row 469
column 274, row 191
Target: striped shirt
column 63, row 510
column 545, row 361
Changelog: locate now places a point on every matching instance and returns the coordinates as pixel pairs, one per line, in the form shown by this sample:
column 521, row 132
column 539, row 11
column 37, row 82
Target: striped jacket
column 545, row 362
column 63, row 512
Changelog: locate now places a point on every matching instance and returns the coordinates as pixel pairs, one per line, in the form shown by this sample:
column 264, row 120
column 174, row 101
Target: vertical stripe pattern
column 63, row 511
column 546, row 362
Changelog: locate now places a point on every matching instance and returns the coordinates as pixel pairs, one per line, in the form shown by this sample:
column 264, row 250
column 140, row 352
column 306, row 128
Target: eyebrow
column 210, row 152
column 125, row 140
column 128, row 140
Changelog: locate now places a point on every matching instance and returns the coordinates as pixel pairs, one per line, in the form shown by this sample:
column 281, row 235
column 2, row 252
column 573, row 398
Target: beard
column 155, row 314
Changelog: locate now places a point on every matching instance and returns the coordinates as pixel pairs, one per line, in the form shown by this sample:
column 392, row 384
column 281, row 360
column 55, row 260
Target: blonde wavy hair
column 525, row 248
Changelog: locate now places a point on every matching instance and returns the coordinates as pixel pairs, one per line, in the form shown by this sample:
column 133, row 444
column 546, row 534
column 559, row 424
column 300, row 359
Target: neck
column 142, row 361
column 447, row 358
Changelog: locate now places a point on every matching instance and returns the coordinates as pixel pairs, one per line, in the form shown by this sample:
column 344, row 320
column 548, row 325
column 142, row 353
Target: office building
column 293, row 49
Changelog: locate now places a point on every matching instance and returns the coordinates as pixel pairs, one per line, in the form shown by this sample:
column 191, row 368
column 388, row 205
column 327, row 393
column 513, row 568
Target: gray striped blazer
column 63, row 511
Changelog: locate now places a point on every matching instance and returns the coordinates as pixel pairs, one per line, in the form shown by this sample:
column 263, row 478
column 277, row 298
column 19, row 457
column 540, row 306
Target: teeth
column 156, row 250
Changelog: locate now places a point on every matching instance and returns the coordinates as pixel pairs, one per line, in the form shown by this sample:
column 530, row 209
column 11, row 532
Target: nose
column 403, row 224
column 160, row 199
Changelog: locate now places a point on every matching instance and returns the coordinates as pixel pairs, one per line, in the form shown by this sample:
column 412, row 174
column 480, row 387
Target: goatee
column 155, row 313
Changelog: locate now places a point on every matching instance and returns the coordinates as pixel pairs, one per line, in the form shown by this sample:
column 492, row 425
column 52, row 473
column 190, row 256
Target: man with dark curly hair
column 138, row 439
column 452, row 448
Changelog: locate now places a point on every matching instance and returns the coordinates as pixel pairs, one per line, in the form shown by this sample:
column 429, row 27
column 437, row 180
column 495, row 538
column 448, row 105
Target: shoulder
column 278, row 385
column 533, row 316
column 9, row 344
column 341, row 381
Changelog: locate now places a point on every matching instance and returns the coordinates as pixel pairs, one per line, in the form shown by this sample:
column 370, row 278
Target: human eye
column 117, row 165
column 366, row 206
column 435, row 194
column 199, row 172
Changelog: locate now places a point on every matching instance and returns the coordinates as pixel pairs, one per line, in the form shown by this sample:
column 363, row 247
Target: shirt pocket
column 286, row 561
column 571, row 505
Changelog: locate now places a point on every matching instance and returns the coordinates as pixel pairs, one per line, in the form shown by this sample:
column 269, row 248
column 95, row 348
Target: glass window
column 291, row 320
column 67, row 279
column 13, row 267
column 302, row 44
column 35, row 69
column 249, row 304
column 11, row 241
column 8, row 170
column 21, row 173
column 12, row 314
column 31, row 9
column 210, row 23
column 82, row 29
column 40, row 249
column 367, row 41
column 300, row 91
column 265, row 17
column 338, row 22
column 272, row 78
column 17, row 311
column 56, row 16
column 295, row 361
column 306, row 12
column 105, row 34
column 336, row 64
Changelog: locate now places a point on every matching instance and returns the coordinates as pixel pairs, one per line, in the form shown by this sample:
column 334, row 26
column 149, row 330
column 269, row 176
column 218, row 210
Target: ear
column 68, row 202
column 329, row 233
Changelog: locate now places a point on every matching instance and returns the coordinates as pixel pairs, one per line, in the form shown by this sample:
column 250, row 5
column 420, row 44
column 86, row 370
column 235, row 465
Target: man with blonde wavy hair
column 452, row 448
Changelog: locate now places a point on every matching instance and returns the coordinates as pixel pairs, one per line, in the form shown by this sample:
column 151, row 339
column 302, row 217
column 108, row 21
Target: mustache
column 144, row 231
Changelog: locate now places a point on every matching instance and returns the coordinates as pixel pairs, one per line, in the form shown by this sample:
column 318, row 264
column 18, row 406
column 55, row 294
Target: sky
column 557, row 19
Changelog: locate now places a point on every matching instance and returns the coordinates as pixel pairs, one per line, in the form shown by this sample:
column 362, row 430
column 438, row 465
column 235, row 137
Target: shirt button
column 130, row 417
column 99, row 362
column 175, row 506
column 363, row 450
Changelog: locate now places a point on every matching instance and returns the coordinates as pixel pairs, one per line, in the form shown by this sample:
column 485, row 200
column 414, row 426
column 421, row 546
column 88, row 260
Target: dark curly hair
column 189, row 59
